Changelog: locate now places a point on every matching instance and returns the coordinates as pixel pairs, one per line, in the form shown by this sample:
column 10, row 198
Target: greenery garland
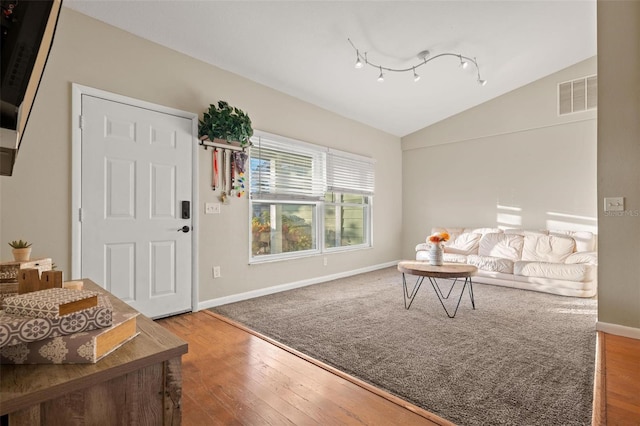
column 226, row 122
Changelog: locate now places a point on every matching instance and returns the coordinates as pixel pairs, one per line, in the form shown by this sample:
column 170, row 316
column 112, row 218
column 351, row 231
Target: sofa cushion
column 585, row 240
column 525, row 231
column 547, row 248
column 483, row 231
column 453, row 234
column 557, row 271
column 588, row 257
column 508, row 246
column 491, row 263
column 422, row 255
column 465, row 243
column 454, row 258
column 423, row 246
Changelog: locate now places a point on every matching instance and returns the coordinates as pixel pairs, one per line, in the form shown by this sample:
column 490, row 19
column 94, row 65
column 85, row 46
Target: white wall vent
column 578, row 95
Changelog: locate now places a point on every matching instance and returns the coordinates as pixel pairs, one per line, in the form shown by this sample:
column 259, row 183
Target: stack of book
column 62, row 326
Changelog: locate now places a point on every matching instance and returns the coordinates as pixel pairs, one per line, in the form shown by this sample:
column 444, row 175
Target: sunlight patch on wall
column 570, row 222
column 508, row 216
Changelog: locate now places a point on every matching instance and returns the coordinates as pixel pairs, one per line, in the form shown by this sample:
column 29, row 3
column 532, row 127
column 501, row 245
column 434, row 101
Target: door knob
column 184, row 229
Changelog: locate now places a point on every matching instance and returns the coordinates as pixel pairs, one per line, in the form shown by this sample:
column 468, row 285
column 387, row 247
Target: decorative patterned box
column 16, row 329
column 7, row 290
column 79, row 348
column 51, row 303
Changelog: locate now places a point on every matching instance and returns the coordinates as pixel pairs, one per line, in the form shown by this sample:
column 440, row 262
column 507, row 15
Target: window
column 279, row 228
column 306, row 199
column 347, row 213
column 346, row 220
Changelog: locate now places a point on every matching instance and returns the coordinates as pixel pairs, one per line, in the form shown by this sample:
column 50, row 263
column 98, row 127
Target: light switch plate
column 614, row 204
column 211, row 208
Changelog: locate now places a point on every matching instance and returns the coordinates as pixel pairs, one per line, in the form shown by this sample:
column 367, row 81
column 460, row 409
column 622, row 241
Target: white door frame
column 76, row 176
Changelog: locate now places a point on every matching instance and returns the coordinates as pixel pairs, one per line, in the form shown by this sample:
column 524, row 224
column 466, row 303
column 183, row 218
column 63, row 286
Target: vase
column 435, row 254
column 21, row 254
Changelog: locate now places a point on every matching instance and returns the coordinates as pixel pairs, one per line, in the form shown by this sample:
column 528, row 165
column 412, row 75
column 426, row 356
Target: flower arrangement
column 438, row 237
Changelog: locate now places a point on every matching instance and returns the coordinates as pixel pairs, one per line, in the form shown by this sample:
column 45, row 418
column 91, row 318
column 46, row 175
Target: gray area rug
column 520, row 358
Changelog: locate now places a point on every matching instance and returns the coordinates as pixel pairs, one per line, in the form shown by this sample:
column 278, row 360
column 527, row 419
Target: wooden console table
column 139, row 383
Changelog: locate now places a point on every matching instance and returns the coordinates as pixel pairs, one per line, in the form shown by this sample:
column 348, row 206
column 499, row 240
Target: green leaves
column 226, row 122
column 19, row 244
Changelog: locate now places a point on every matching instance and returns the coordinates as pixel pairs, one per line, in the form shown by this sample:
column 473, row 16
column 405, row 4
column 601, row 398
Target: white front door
column 136, row 191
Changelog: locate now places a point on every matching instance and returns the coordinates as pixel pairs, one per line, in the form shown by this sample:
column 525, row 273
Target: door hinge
column 80, row 215
column 81, row 121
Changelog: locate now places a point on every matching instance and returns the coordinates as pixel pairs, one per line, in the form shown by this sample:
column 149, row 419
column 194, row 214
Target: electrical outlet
column 324, row 261
column 212, row 208
column 216, row 272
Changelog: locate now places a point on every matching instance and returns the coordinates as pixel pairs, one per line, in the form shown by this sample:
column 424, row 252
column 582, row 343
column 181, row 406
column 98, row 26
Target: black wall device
column 186, row 209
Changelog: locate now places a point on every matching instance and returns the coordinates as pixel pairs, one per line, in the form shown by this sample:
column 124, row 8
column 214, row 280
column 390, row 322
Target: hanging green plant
column 226, row 122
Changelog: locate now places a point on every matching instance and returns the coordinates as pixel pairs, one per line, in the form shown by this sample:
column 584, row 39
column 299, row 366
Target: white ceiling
column 301, row 47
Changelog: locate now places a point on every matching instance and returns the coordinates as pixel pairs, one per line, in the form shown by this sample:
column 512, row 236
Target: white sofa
column 558, row 262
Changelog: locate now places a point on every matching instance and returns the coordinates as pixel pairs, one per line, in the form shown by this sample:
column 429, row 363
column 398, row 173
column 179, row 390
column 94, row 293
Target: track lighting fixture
column 358, row 61
column 463, row 64
column 416, row 77
column 424, row 58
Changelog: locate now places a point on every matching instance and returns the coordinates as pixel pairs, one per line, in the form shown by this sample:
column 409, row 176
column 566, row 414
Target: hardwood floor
column 618, row 381
column 234, row 377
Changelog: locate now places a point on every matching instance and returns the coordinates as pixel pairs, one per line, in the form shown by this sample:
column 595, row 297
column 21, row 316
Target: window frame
column 367, row 225
column 317, row 211
column 319, row 205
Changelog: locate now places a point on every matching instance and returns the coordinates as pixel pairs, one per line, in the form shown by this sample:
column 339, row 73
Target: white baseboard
column 289, row 286
column 618, row 330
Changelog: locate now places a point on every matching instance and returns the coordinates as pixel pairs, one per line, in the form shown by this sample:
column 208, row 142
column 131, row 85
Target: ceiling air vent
column 578, row 95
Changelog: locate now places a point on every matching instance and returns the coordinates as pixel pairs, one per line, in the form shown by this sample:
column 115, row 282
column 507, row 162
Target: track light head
column 482, row 82
column 416, row 77
column 359, row 63
column 381, row 76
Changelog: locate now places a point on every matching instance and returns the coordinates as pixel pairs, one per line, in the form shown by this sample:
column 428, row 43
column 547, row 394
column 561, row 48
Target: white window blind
column 286, row 169
column 350, row 173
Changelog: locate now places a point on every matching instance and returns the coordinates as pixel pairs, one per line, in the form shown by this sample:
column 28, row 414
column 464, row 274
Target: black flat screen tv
column 28, row 28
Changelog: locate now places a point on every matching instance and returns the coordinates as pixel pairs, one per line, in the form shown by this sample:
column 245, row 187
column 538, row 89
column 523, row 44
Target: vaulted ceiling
column 302, row 48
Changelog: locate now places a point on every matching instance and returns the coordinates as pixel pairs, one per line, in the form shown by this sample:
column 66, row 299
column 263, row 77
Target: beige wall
column 509, row 162
column 36, row 201
column 618, row 161
column 517, row 135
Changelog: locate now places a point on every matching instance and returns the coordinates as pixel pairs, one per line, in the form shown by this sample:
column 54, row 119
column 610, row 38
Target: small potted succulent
column 21, row 250
column 225, row 122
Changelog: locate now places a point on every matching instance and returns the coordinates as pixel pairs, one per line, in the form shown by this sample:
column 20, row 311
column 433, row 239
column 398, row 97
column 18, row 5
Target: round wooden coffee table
column 452, row 271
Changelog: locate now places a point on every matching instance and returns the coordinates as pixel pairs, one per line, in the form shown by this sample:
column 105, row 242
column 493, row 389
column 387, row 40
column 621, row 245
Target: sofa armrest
column 588, row 257
column 423, row 246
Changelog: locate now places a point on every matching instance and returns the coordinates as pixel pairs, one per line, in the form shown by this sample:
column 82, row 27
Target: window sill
column 258, row 261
